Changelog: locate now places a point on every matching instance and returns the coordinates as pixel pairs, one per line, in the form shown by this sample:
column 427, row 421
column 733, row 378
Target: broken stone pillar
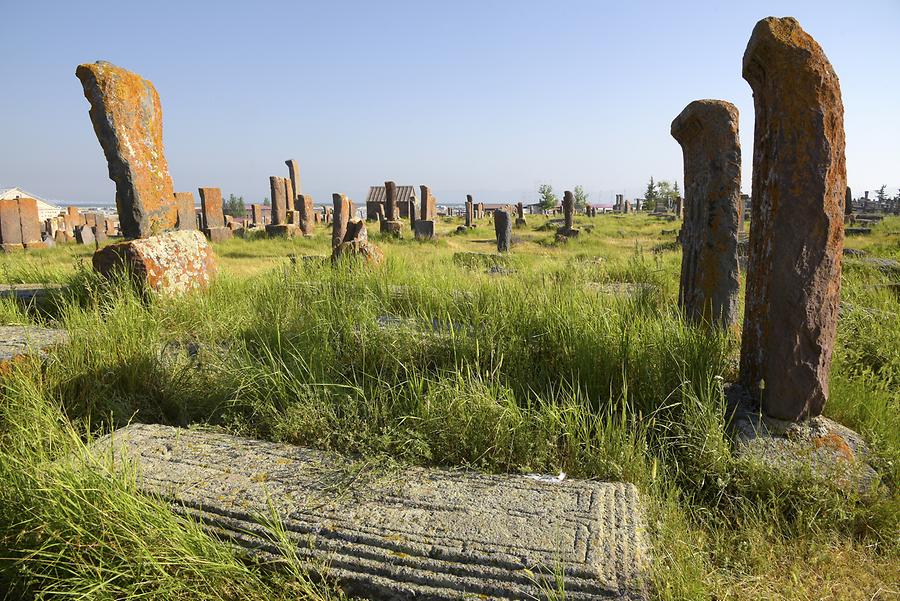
column 213, row 216
column 170, row 263
column 470, row 211
column 848, row 203
column 10, row 226
column 355, row 241
column 568, row 229
column 279, row 225
column 797, row 223
column 84, row 235
column 294, row 173
column 256, row 214
column 127, row 118
column 288, row 196
column 707, row 131
column 341, row 219
column 305, row 210
column 679, row 205
column 187, row 213
column 503, row 230
column 30, row 223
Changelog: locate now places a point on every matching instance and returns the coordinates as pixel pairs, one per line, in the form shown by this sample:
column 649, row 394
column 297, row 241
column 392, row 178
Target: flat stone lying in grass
column 817, row 447
column 18, row 341
column 28, row 293
column 398, row 534
column 620, row 288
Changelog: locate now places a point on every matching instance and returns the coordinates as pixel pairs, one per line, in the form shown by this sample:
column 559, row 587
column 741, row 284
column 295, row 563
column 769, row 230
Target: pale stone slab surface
column 399, row 533
column 26, row 293
column 16, row 341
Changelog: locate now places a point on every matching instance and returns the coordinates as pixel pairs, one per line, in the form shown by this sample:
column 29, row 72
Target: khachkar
column 503, row 230
column 213, row 215
column 187, row 213
column 127, row 118
column 349, row 237
column 568, row 229
column 708, row 133
column 423, row 228
column 279, row 225
column 391, row 224
column 797, row 233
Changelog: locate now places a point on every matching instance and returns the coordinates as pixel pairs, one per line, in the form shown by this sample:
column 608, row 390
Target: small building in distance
column 46, row 209
column 377, row 195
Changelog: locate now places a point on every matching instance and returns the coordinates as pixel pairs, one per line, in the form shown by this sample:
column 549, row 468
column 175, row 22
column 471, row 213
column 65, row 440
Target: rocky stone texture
column 710, row 280
column 848, row 202
column 429, row 206
column 818, row 446
column 30, row 223
column 171, row 263
column 423, row 230
column 503, row 230
column 19, row 341
column 99, row 234
column 392, row 228
column 391, row 211
column 797, row 231
column 355, row 244
column 307, row 215
column 294, row 173
column 127, row 118
column 187, row 214
column 28, row 294
column 10, row 226
column 470, row 211
column 213, row 215
column 279, row 201
column 412, row 534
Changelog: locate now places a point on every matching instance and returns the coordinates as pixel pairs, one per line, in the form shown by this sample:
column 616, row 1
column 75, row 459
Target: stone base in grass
column 817, row 447
column 395, row 533
column 282, row 230
column 218, row 234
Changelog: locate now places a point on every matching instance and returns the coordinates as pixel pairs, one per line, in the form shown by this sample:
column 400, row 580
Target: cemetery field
column 568, row 357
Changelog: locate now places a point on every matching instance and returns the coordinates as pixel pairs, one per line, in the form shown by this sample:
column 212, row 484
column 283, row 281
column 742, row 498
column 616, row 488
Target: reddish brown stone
column 341, row 218
column 797, row 225
column 30, row 222
column 211, row 207
column 391, row 211
column 289, row 196
column 73, row 219
column 708, row 133
column 171, row 263
column 356, row 245
column 279, row 201
column 187, row 212
column 470, row 211
column 294, row 173
column 307, row 215
column 127, row 118
column 10, row 225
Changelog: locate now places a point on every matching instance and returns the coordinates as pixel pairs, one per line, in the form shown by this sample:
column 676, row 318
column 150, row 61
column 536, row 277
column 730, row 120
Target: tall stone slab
column 707, row 131
column 30, row 223
column 187, row 213
column 503, row 230
column 470, row 211
column 848, row 202
column 279, row 202
column 10, row 225
column 294, row 174
column 568, row 204
column 213, row 215
column 429, row 208
column 307, row 215
column 391, row 212
column 340, row 220
column 127, row 118
column 289, row 195
column 797, row 224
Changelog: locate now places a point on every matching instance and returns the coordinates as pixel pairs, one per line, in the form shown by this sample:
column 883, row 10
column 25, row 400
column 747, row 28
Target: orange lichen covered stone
column 170, row 263
column 708, row 133
column 797, row 226
column 127, row 118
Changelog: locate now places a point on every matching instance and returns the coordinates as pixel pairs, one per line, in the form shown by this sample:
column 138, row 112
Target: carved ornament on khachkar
column 707, row 131
column 127, row 118
column 797, row 223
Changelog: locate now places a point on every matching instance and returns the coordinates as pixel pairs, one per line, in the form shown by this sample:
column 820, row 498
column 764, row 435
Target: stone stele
column 797, row 233
column 410, row 533
column 171, row 263
column 127, row 118
column 710, row 280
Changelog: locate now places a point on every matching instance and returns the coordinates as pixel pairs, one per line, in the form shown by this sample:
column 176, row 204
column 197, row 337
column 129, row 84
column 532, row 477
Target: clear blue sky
column 489, row 98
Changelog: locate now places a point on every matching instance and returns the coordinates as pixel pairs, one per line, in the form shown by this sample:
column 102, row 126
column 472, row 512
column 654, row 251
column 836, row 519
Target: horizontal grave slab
column 398, row 533
column 18, row 341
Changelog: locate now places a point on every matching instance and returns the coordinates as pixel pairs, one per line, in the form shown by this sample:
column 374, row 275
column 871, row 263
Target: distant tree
column 882, row 193
column 666, row 193
column 581, row 198
column 651, row 196
column 677, row 191
column 234, row 206
column 266, row 202
column 548, row 199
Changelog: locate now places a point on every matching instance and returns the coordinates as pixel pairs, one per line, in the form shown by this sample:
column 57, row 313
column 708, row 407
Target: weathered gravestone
column 797, row 227
column 213, row 215
column 568, row 229
column 306, row 213
column 391, row 225
column 187, row 213
column 10, row 226
column 84, row 234
column 848, row 203
column 279, row 225
column 503, row 230
column 30, row 223
column 707, row 131
column 170, row 263
column 349, row 237
column 520, row 215
column 423, row 228
column 414, row 533
column 470, row 211
column 127, row 118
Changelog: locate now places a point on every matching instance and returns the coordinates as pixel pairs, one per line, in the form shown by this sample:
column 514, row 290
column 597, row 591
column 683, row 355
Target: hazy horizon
column 486, row 98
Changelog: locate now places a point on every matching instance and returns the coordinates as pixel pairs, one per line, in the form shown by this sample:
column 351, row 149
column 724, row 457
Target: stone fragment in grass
column 171, row 263
column 397, row 533
column 423, row 229
column 19, row 341
column 84, row 234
